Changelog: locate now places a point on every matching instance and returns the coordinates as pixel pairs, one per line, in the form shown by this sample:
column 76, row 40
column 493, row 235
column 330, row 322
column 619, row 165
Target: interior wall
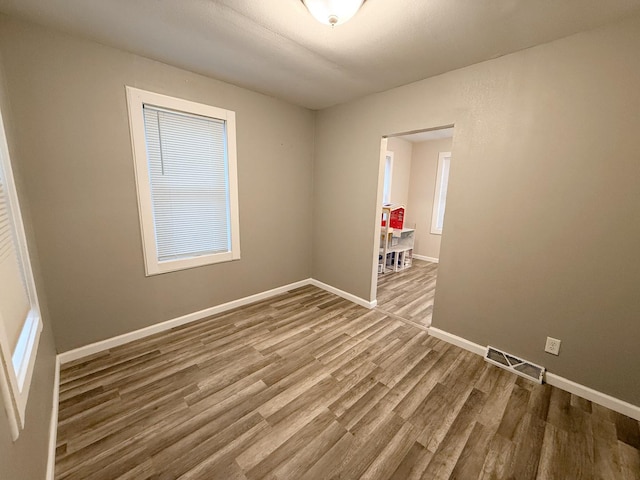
column 402, row 153
column 422, row 187
column 542, row 233
column 72, row 126
column 26, row 459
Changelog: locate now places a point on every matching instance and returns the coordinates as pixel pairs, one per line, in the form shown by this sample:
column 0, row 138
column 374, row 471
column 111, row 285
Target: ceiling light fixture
column 333, row 12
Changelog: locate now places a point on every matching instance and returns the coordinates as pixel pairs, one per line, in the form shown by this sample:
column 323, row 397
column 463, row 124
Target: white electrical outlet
column 552, row 346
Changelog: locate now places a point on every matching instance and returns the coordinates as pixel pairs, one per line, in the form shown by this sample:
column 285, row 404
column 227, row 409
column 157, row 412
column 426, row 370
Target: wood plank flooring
column 307, row 386
column 409, row 293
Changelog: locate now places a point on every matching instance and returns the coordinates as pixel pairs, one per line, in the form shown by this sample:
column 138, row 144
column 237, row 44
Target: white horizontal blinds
column 6, row 242
column 188, row 174
column 444, row 183
column 14, row 301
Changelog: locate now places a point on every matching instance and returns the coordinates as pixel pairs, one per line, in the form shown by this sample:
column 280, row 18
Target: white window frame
column 387, row 182
column 437, row 205
column 136, row 99
column 16, row 368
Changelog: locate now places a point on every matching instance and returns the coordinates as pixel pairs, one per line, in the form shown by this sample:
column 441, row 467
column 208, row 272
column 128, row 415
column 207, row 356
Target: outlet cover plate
column 552, row 346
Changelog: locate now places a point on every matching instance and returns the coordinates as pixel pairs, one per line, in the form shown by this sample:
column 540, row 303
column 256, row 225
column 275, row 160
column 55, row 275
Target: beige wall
column 71, row 123
column 424, row 170
column 402, row 152
column 541, row 236
column 542, row 226
column 26, row 459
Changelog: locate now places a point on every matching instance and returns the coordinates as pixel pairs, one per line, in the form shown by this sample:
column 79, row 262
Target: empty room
column 194, row 217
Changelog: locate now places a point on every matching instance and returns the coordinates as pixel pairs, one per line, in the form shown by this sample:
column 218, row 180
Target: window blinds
column 14, row 301
column 188, row 174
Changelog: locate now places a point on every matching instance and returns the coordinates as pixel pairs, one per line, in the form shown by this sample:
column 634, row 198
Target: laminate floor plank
column 308, row 386
column 628, row 430
column 331, row 462
column 472, row 456
column 498, row 459
column 308, row 454
column 413, row 464
column 409, row 293
column 448, row 451
column 295, row 444
column 528, row 447
column 629, row 462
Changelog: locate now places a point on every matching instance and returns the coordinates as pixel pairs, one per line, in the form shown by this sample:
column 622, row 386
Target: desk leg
column 397, row 262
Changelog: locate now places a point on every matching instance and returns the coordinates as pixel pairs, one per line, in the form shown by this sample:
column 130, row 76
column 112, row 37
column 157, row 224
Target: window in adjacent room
column 186, row 175
column 440, row 197
column 388, row 174
column 20, row 322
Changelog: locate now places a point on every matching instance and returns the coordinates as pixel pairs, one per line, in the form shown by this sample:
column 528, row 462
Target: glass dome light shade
column 333, row 12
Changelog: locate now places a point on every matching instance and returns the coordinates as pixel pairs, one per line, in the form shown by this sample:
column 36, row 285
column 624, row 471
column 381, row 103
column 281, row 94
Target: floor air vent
column 514, row 364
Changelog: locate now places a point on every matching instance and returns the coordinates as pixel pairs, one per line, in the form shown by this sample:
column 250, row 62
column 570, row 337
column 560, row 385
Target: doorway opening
column 414, row 178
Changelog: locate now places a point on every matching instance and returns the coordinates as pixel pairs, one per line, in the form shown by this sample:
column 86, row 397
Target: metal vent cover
column 514, row 364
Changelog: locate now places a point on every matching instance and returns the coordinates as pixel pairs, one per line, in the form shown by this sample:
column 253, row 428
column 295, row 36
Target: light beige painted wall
column 26, row 459
column 72, row 126
column 422, row 187
column 542, row 227
column 402, row 152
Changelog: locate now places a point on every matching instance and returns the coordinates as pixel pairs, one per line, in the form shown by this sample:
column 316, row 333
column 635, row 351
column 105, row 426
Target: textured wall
column 542, row 227
column 26, row 459
column 71, row 123
column 400, row 179
column 424, row 170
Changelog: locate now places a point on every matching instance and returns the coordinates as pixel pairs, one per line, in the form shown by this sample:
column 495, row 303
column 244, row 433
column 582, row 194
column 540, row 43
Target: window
column 388, row 174
column 440, row 197
column 20, row 323
column 185, row 162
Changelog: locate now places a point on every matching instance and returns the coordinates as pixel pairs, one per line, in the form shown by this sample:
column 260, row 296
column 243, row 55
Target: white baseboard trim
column 570, row 386
column 102, row 345
column 343, row 294
column 53, row 426
column 458, row 341
column 426, row 259
column 594, row 396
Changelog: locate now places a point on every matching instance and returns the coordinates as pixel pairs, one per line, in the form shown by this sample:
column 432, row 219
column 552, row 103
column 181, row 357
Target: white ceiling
column 277, row 48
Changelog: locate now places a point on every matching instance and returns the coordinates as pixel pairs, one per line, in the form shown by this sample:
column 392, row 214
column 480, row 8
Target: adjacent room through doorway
column 416, row 173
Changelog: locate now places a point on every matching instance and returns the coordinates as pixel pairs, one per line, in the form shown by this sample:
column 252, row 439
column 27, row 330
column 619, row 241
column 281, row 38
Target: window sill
column 157, row 268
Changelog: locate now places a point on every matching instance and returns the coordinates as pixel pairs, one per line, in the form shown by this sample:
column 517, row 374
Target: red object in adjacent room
column 397, row 218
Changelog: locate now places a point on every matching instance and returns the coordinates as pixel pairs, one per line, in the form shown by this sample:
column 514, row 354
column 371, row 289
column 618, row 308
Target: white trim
column 102, row 345
column 595, row 396
column 14, row 206
column 442, row 158
column 136, row 99
column 7, row 400
column 85, row 351
column 19, row 379
column 458, row 341
column 387, row 156
column 562, row 383
column 53, row 426
column 23, row 359
column 343, row 294
column 18, row 365
column 373, row 289
column 426, row 259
